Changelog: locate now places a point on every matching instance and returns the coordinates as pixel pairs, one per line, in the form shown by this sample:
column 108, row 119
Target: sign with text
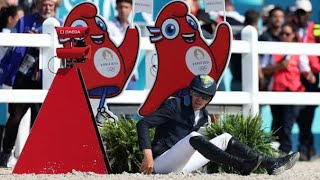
column 143, row 6
column 214, row 5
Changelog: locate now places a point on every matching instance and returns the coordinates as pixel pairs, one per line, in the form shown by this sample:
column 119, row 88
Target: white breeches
column 183, row 158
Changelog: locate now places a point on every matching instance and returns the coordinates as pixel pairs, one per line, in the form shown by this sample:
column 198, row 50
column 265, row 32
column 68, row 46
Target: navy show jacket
column 173, row 120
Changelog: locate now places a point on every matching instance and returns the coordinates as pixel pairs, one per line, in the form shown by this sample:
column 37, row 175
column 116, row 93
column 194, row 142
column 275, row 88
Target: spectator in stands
column 251, row 18
column 22, row 71
column 265, row 14
column 275, row 20
column 306, row 34
column 118, row 26
column 9, row 17
column 178, row 147
column 286, row 71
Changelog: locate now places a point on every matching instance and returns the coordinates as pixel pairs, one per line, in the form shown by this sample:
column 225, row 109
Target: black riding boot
column 273, row 166
column 213, row 153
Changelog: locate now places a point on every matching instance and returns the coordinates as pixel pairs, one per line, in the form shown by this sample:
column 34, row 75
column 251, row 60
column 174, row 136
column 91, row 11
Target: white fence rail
column 249, row 47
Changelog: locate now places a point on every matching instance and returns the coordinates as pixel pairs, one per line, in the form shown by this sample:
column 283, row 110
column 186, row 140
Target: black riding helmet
column 204, row 84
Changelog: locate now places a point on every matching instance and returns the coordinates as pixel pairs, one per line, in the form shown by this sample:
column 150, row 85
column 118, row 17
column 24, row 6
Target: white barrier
column 250, row 47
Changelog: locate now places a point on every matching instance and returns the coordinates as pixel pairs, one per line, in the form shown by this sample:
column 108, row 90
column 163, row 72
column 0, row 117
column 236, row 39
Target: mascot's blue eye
column 170, row 28
column 100, row 23
column 192, row 23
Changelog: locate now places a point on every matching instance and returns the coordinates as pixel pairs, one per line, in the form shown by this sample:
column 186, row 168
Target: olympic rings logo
column 203, row 68
column 111, row 69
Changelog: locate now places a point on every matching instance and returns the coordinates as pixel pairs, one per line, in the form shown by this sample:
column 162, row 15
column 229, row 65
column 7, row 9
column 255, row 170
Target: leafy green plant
column 248, row 130
column 121, row 142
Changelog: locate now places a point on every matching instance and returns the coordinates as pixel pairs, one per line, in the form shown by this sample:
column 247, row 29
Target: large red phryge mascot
column 110, row 67
column 183, row 53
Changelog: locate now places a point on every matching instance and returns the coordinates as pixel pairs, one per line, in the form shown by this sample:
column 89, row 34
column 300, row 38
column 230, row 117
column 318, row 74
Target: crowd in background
column 290, row 73
column 276, row 72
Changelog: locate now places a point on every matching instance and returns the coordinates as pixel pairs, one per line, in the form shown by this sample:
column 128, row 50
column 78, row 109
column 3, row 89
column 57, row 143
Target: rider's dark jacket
column 173, row 120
